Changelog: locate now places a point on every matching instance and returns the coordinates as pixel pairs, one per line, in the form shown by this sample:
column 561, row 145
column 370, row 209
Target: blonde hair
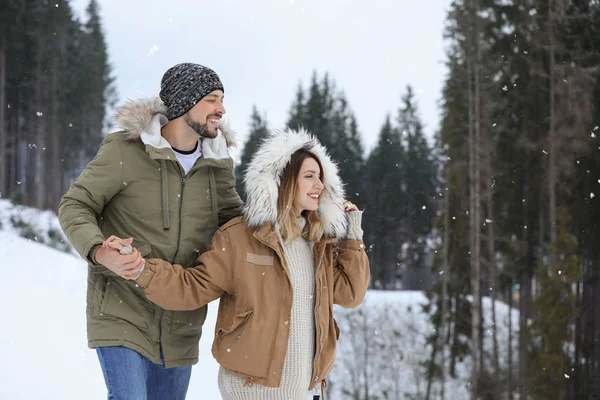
column 286, row 213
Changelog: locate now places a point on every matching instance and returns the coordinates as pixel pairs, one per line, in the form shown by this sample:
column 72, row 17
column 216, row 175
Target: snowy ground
column 45, row 355
column 43, row 340
column 383, row 347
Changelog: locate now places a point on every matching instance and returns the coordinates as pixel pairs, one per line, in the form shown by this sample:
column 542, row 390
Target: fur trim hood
column 139, row 117
column 265, row 171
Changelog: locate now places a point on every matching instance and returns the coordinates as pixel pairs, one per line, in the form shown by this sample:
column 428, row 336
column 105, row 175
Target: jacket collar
column 143, row 120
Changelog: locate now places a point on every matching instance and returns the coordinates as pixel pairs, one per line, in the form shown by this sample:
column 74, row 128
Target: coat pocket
column 188, row 323
column 121, row 302
column 237, row 326
column 144, row 249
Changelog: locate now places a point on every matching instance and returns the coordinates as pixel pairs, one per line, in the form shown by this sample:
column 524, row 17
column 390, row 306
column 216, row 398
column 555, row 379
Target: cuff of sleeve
column 146, row 275
column 349, row 244
column 355, row 231
column 92, row 255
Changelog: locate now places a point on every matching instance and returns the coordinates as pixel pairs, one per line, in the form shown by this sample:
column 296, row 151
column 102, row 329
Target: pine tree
column 347, row 150
column 554, row 311
column 45, row 112
column 419, row 186
column 385, row 198
column 258, row 131
column 297, row 112
column 454, row 222
column 325, row 113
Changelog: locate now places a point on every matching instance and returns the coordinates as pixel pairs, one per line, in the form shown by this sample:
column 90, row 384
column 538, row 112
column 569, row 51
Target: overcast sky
column 262, row 50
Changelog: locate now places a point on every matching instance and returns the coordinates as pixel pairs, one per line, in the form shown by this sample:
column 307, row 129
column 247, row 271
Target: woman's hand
column 349, row 207
column 116, row 243
column 123, row 246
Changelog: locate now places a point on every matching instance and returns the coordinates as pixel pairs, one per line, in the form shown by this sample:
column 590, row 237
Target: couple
column 166, row 183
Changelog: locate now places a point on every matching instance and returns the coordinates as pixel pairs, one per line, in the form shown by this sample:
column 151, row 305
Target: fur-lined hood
column 265, row 171
column 144, row 118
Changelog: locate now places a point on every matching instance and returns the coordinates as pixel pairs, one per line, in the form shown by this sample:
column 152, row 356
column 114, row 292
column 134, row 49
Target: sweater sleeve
column 355, row 231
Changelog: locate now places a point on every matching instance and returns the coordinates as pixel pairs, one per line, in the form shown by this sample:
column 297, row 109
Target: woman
column 277, row 271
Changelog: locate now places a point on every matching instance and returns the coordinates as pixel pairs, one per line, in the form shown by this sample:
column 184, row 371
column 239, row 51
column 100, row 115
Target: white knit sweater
column 297, row 368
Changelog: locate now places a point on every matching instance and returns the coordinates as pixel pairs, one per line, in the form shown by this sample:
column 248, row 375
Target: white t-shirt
column 187, row 159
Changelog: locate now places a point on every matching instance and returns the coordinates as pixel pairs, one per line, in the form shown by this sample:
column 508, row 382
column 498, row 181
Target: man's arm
column 229, row 201
column 80, row 207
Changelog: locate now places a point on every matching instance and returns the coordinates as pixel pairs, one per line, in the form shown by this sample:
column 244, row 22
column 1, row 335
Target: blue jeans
column 130, row 376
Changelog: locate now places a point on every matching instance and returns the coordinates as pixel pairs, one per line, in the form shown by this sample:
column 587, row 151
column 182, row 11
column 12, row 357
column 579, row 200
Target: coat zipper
column 278, row 305
column 174, row 257
column 180, row 222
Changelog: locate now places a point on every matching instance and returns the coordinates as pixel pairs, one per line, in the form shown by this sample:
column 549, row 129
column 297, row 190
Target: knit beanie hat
column 184, row 85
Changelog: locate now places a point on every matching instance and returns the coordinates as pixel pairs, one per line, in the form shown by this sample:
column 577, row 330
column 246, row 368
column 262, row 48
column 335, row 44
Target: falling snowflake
column 592, row 195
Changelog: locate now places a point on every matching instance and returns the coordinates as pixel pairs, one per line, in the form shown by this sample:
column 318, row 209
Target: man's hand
column 126, row 266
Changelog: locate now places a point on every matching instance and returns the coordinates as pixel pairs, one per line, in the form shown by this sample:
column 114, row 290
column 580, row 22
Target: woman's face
column 309, row 186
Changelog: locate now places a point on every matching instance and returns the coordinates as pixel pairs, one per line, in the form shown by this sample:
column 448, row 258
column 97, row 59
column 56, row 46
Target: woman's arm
column 351, row 271
column 173, row 287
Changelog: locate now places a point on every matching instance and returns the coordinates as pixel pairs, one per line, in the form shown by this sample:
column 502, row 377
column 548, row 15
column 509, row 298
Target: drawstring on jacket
column 213, row 196
column 164, row 187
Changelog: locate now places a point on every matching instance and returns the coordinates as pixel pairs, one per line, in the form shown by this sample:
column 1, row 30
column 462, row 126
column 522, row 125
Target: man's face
column 204, row 117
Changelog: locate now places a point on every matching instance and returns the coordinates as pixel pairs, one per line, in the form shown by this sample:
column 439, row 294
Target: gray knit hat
column 184, row 85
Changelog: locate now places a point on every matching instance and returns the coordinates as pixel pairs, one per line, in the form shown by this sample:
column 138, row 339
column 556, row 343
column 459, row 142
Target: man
column 165, row 182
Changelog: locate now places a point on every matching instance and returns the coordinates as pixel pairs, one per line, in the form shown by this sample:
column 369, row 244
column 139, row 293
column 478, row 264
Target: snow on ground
column 44, row 347
column 43, row 339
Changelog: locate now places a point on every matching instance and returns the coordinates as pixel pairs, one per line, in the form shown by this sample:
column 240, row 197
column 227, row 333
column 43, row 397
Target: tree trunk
column 492, row 266
column 524, row 307
column 454, row 339
column 431, row 366
column 575, row 392
column 552, row 177
column 444, row 311
column 510, row 340
column 4, row 166
column 524, row 298
column 55, row 178
column 39, row 145
column 474, row 149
